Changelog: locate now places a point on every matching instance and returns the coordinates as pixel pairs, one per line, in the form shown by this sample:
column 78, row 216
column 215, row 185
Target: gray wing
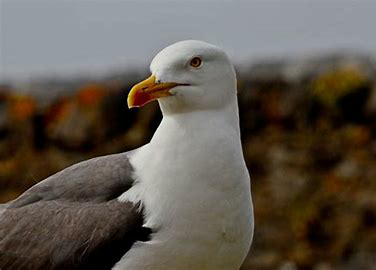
column 73, row 220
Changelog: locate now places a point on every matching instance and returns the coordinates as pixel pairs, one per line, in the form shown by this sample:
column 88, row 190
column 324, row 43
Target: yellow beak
column 147, row 91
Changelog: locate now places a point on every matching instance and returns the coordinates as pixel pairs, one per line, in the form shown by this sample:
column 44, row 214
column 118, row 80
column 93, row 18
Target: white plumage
column 191, row 178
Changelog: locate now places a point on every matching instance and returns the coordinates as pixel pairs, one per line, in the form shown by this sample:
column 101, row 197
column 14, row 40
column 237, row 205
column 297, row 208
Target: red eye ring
column 196, row 62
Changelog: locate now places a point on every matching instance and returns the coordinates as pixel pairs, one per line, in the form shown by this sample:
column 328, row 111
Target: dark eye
column 196, row 62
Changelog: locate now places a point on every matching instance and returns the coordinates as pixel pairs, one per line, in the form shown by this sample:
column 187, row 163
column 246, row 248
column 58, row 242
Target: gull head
column 187, row 76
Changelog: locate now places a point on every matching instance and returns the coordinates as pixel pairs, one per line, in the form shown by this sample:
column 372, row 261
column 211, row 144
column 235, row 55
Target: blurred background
column 307, row 98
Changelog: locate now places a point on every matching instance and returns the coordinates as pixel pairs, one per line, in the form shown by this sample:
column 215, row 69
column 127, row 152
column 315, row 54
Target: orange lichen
column 21, row 107
column 91, row 94
column 59, row 111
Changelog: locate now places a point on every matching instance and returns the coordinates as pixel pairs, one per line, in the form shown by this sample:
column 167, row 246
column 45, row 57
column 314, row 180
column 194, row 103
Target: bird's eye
column 196, row 62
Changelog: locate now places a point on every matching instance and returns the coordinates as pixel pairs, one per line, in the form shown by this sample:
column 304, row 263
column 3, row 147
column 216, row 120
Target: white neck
column 194, row 187
column 199, row 121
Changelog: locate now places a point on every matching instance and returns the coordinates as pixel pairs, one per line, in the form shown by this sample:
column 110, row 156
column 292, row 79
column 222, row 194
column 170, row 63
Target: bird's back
column 73, row 220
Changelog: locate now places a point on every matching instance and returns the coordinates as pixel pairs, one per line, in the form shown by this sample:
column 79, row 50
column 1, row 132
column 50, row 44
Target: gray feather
column 73, row 220
column 97, row 179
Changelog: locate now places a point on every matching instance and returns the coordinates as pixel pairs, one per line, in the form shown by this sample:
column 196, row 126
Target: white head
column 187, row 76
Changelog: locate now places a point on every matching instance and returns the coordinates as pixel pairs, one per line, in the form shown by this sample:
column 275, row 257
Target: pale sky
column 68, row 37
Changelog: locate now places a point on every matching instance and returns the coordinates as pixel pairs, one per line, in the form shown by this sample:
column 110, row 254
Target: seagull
column 180, row 202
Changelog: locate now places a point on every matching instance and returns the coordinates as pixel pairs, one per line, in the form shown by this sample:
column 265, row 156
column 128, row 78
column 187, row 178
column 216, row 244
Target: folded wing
column 73, row 220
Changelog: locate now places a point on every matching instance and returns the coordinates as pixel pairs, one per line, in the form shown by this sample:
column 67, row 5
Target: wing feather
column 73, row 220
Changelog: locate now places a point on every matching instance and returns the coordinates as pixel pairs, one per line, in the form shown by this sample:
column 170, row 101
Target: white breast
column 197, row 198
